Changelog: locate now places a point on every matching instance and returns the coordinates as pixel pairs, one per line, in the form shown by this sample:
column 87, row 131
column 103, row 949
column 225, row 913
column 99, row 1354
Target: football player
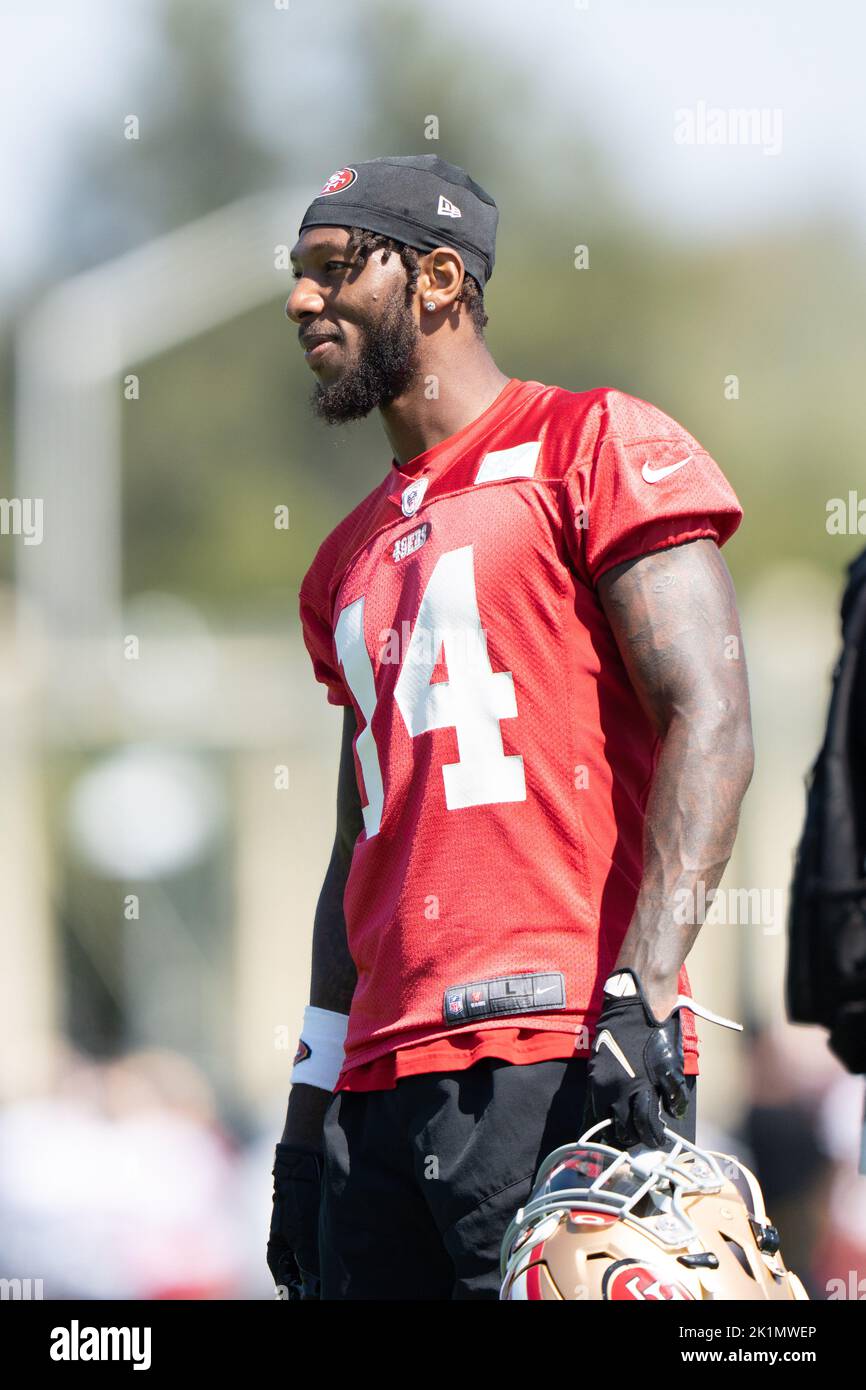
column 546, row 740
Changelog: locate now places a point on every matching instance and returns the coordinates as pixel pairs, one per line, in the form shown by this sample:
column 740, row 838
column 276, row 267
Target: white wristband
column 321, row 1053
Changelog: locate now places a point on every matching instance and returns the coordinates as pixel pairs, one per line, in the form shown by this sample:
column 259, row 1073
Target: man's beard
column 385, row 365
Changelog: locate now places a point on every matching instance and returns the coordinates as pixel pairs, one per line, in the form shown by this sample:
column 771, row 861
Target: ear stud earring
column 430, row 305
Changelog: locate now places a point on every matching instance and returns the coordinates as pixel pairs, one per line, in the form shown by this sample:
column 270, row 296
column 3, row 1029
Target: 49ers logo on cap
column 630, row 1281
column 342, row 178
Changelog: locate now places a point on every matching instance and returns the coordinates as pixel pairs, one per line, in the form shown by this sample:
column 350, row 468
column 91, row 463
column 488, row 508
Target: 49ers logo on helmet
column 340, row 179
column 630, row 1281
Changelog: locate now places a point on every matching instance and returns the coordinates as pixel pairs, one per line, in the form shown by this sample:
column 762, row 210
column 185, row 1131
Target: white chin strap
column 622, row 984
column 684, row 1002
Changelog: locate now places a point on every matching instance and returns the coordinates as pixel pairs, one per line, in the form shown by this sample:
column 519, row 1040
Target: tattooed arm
column 333, row 972
column 674, row 617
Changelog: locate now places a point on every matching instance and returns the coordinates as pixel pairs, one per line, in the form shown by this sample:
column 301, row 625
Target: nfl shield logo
column 413, row 496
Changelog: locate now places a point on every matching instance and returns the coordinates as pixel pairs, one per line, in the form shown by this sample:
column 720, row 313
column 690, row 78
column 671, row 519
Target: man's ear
column 440, row 277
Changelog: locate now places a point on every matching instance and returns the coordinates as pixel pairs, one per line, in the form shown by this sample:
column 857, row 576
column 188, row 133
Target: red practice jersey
column 503, row 758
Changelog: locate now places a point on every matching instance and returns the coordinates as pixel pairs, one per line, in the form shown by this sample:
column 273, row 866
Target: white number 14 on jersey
column 472, row 701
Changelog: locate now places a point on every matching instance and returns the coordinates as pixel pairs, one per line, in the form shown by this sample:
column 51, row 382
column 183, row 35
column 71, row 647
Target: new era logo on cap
column 447, row 209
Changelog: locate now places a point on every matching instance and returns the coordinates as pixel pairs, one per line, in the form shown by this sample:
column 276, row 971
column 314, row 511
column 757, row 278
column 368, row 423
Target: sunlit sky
column 618, row 68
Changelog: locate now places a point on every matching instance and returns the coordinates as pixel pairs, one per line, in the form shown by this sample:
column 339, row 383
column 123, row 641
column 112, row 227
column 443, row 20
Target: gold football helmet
column 644, row 1225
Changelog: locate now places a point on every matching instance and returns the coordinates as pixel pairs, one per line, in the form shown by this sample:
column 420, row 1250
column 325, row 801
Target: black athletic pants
column 421, row 1181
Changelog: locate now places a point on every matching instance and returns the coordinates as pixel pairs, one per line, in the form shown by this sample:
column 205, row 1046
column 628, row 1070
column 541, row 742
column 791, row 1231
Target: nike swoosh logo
column 547, row 989
column 655, row 475
column 606, row 1039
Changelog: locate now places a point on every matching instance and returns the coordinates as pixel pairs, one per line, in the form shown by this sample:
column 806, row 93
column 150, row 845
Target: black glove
column 636, row 1066
column 848, row 1036
column 293, row 1244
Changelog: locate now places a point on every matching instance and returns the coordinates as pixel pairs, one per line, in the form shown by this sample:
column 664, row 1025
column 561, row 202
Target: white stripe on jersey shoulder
column 516, row 462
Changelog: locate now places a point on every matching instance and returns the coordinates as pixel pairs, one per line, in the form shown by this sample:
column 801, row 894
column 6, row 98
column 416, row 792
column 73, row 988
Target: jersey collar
column 411, row 479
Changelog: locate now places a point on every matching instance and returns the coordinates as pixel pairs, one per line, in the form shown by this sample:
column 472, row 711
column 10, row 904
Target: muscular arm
column 674, row 618
column 333, row 972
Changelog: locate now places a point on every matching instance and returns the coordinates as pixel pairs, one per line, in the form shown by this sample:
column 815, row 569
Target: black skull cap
column 420, row 200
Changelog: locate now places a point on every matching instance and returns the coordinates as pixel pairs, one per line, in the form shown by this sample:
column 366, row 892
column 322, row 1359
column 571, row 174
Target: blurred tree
column 223, row 434
column 195, row 150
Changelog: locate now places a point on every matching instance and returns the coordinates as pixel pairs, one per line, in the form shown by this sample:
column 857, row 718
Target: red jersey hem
column 518, row 1046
